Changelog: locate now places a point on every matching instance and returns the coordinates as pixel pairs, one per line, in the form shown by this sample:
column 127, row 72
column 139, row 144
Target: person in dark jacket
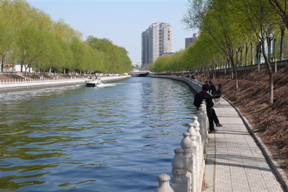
column 219, row 92
column 209, row 106
column 212, row 88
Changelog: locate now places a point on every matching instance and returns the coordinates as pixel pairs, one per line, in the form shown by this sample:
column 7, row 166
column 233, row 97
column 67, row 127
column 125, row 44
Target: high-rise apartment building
column 156, row 40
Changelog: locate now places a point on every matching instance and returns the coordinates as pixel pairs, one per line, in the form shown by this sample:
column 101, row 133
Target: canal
column 118, row 137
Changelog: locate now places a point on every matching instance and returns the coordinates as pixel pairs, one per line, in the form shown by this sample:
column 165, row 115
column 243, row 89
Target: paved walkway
column 234, row 161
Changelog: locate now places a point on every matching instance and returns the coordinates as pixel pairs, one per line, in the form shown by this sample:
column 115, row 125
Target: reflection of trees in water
column 39, row 133
column 7, row 182
column 161, row 95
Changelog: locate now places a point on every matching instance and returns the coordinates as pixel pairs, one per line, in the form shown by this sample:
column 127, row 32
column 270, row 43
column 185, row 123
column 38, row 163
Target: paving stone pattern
column 235, row 163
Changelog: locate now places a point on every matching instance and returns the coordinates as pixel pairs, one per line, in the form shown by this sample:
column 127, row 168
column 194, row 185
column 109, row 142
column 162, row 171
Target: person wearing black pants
column 215, row 118
column 209, row 104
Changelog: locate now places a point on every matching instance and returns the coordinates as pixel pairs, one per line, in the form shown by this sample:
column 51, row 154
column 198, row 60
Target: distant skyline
column 121, row 21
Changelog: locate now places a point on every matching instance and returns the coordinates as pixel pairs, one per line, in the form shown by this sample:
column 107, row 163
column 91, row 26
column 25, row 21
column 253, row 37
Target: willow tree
column 160, row 64
column 78, row 52
column 196, row 12
column 30, row 36
column 281, row 8
column 114, row 58
column 263, row 22
column 206, row 53
column 124, row 62
column 224, row 29
column 63, row 31
column 67, row 52
column 6, row 38
column 30, row 43
column 202, row 53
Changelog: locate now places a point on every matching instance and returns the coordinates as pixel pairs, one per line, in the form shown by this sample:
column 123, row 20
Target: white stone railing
column 188, row 164
column 30, row 82
column 12, row 83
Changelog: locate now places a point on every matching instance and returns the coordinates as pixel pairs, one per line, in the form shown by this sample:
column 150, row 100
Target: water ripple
column 81, row 139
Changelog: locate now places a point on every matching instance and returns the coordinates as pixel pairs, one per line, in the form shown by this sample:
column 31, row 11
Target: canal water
column 118, row 137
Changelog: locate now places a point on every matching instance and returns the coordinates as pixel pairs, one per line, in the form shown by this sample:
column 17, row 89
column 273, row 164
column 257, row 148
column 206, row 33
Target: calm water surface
column 118, row 137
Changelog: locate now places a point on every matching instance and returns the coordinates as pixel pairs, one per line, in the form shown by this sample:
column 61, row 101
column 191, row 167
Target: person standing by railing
column 210, row 111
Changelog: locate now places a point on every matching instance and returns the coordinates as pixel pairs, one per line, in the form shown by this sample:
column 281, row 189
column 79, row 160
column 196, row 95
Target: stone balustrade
column 23, row 81
column 10, row 83
column 16, row 83
column 188, row 164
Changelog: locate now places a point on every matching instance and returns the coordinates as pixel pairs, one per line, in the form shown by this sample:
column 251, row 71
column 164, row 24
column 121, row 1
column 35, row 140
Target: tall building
column 156, row 40
column 190, row 40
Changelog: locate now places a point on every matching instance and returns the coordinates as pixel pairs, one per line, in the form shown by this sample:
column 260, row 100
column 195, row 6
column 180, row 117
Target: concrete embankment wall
column 194, row 85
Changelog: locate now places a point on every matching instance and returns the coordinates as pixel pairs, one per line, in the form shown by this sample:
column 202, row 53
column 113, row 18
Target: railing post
column 189, row 157
column 200, row 151
column 164, row 186
column 196, row 126
column 179, row 181
column 195, row 159
column 202, row 120
column 204, row 110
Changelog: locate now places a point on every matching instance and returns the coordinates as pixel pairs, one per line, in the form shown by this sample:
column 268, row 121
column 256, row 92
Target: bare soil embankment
column 270, row 122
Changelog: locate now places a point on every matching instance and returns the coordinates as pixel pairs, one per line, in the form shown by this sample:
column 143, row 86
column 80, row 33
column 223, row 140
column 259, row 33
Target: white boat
column 92, row 82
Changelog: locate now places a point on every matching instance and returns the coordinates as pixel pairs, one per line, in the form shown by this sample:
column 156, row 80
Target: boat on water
column 92, row 82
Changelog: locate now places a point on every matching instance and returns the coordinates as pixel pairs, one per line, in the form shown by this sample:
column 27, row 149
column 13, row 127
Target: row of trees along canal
column 30, row 37
column 229, row 31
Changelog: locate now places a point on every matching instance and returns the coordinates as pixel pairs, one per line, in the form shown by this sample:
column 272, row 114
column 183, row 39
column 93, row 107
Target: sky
column 120, row 21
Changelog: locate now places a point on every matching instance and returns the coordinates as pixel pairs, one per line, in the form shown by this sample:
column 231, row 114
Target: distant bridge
column 139, row 73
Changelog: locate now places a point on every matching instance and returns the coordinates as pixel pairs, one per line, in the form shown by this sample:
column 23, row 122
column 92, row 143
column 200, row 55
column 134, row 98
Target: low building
column 190, row 40
column 168, row 53
column 17, row 68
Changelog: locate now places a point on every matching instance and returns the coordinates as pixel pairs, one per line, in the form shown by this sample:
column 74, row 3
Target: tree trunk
column 22, row 63
column 226, row 66
column 235, row 73
column 275, row 59
column 267, row 61
column 259, row 57
column 237, row 57
column 2, row 66
column 246, row 54
column 269, row 47
column 26, row 67
column 252, row 54
column 214, row 72
column 241, row 56
column 282, row 44
column 271, row 87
